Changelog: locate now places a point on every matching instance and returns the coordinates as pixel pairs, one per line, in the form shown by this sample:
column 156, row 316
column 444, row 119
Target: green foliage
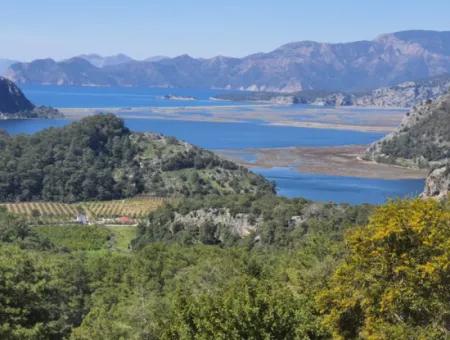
column 41, row 297
column 388, row 280
column 244, row 309
column 15, row 230
column 122, row 236
column 201, row 292
column 98, row 158
column 277, row 221
column 76, row 237
column 426, row 140
column 73, row 163
column 394, row 282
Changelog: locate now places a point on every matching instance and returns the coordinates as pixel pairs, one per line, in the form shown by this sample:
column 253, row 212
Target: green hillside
column 98, row 158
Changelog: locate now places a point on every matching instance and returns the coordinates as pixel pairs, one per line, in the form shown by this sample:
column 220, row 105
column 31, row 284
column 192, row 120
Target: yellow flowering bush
column 395, row 280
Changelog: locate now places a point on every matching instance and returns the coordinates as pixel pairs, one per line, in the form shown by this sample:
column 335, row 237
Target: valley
column 294, row 131
column 289, row 178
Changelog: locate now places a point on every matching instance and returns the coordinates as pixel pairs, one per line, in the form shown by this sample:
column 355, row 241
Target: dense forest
column 98, row 158
column 264, row 220
column 336, row 274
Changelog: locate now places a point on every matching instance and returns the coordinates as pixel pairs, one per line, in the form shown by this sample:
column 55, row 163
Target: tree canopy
column 394, row 283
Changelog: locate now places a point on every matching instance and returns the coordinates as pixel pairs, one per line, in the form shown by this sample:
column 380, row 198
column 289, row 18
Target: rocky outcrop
column 14, row 104
column 437, row 184
column 239, row 224
column 406, row 94
column 335, row 99
column 12, row 100
column 299, row 66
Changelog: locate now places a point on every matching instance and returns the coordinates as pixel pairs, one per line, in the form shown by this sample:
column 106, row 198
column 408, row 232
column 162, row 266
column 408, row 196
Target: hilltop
column 98, row 158
column 298, row 66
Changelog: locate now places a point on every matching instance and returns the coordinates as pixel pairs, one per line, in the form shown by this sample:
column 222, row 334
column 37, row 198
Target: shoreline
column 380, row 121
column 342, row 161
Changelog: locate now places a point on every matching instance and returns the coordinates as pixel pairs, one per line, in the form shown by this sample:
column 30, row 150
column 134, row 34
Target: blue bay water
column 98, row 97
column 215, row 135
column 353, row 190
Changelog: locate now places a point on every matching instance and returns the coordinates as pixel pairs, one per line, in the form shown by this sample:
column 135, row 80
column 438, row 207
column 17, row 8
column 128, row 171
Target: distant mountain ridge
column 5, row 64
column 307, row 65
column 100, row 61
column 405, row 94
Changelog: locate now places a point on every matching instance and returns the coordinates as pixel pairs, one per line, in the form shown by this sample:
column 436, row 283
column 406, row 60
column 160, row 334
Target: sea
column 224, row 135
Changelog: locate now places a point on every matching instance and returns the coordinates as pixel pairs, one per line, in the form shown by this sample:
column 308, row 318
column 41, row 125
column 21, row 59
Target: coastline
column 350, row 118
column 335, row 161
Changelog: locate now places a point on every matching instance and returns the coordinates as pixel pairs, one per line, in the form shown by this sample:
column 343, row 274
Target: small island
column 181, row 98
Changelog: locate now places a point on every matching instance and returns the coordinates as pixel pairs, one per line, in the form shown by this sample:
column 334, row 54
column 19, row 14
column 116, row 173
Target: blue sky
column 202, row 28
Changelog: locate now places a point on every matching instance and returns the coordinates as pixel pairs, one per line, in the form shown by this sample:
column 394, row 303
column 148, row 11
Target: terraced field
column 134, row 208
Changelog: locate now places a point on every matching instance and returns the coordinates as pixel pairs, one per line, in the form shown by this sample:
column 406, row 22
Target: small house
column 125, row 220
column 82, row 219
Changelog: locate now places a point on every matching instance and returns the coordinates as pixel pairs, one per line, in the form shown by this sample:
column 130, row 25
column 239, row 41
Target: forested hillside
column 98, row 158
column 422, row 140
column 322, row 278
column 233, row 219
column 423, row 137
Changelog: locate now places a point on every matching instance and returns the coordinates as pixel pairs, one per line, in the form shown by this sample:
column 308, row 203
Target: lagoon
column 227, row 135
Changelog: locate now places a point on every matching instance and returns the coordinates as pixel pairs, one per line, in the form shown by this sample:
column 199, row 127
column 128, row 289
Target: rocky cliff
column 12, row 100
column 437, row 183
column 299, row 66
column 14, row 104
column 406, row 94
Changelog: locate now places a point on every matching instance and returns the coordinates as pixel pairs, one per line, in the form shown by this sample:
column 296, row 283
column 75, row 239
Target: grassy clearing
column 89, row 238
column 76, row 237
column 122, row 236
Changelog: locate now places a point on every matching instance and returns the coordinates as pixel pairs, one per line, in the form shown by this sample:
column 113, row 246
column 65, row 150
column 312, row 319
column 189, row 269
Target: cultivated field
column 134, row 208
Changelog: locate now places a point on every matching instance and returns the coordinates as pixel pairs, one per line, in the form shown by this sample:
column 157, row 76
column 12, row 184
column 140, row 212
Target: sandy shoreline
column 341, row 118
column 316, row 125
column 336, row 161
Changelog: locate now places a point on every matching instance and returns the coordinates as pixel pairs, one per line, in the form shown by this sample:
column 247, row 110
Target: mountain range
column 307, row 65
column 405, row 94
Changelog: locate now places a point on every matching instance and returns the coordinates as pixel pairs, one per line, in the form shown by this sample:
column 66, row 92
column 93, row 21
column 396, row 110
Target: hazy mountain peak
column 100, row 61
column 5, row 64
column 156, row 58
